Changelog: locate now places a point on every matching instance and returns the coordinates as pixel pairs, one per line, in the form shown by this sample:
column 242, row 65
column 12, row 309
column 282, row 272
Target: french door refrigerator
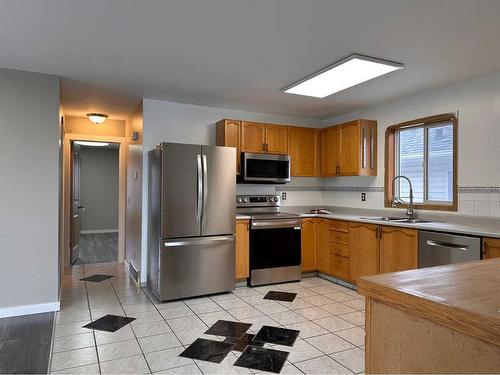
column 191, row 206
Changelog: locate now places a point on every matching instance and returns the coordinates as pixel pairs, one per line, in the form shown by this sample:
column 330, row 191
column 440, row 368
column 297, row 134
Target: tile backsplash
column 477, row 201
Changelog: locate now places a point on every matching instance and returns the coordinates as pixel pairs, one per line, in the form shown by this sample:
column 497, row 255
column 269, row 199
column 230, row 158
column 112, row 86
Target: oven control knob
column 238, row 200
column 276, row 199
column 245, row 200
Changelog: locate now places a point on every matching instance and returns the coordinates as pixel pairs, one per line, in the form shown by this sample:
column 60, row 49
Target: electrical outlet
column 363, row 197
column 283, row 196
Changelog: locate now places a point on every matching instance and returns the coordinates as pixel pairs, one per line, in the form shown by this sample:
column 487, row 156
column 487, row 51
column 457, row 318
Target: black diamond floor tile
column 207, row 350
column 109, row 323
column 275, row 335
column 262, row 359
column 97, row 278
column 228, row 329
column 241, row 343
column 280, row 296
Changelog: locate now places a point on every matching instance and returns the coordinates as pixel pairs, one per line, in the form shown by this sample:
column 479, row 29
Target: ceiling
column 240, row 53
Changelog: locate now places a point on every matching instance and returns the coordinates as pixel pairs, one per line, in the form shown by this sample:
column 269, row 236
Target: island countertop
column 464, row 297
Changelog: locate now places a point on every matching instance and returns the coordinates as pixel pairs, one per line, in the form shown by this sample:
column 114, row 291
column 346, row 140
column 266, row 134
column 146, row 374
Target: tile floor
column 330, row 319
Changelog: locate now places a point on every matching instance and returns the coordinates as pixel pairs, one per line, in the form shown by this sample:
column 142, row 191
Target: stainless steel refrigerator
column 191, row 239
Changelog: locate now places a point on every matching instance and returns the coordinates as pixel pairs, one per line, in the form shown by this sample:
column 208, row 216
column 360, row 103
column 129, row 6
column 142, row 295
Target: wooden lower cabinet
column 323, row 245
column 308, row 245
column 491, row 248
column 363, row 250
column 398, row 249
column 339, row 266
column 242, row 250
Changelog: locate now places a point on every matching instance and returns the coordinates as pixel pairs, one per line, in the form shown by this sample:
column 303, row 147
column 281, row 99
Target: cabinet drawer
column 339, row 237
column 339, row 225
column 339, row 266
column 339, row 249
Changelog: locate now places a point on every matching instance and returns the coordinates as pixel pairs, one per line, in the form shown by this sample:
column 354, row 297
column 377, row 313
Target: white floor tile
column 118, row 350
column 329, row 343
column 353, row 359
column 65, row 343
column 322, row 365
column 159, row 342
column 130, row 365
column 334, row 323
column 355, row 336
column 167, row 359
column 73, row 358
column 151, row 329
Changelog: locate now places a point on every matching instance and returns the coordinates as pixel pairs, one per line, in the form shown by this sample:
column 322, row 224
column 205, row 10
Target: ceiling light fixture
column 92, row 144
column 345, row 73
column 97, row 118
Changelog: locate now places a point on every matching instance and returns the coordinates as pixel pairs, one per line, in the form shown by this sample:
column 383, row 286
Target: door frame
column 122, row 178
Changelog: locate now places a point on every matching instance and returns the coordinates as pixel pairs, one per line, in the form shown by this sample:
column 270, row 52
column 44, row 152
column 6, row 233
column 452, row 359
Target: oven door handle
column 282, row 223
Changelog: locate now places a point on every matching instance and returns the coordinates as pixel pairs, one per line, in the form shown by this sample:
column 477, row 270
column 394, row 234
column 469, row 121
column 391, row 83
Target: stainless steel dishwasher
column 437, row 249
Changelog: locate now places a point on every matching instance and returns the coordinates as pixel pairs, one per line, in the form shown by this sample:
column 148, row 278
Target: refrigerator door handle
column 200, row 188
column 201, row 241
column 205, row 187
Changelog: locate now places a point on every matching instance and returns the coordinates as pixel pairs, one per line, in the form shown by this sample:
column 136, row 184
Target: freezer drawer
column 437, row 249
column 192, row 267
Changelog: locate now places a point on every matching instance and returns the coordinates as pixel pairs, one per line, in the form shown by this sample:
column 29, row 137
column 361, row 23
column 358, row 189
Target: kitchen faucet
column 410, row 212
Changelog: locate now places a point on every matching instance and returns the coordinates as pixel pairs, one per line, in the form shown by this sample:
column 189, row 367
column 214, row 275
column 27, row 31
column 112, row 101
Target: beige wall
column 29, row 159
column 134, row 190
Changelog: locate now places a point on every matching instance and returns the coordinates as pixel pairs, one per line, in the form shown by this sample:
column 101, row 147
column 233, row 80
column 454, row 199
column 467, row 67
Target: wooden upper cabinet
column 349, row 154
column 253, row 137
column 491, row 248
column 242, row 269
column 228, row 134
column 398, row 249
column 303, row 150
column 276, row 139
column 363, row 250
column 308, row 245
column 350, row 149
column 323, row 245
column 330, row 148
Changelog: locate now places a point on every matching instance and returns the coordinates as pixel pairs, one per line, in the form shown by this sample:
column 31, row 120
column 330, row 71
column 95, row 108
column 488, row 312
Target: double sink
column 396, row 219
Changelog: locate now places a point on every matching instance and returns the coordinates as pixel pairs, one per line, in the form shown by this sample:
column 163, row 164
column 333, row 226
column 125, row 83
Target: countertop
column 460, row 224
column 464, row 297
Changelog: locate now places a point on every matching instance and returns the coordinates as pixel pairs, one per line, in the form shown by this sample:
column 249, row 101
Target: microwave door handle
column 205, row 187
column 199, row 187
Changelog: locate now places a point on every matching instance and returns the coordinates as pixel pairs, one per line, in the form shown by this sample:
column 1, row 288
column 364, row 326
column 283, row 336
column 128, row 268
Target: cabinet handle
column 372, row 146
column 483, row 252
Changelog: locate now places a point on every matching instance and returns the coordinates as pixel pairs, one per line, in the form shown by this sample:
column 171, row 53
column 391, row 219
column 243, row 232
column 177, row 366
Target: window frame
column 390, row 160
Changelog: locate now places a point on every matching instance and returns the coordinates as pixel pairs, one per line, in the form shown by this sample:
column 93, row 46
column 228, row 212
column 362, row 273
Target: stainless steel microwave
column 265, row 168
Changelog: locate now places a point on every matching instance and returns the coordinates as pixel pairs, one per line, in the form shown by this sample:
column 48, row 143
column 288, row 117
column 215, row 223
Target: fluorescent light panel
column 92, row 144
column 346, row 73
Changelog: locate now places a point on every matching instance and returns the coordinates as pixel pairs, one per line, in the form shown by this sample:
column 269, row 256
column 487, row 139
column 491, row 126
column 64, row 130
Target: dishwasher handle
column 447, row 244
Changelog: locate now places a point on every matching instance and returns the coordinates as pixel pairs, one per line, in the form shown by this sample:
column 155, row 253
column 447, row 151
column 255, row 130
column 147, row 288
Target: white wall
column 99, row 188
column 185, row 123
column 29, row 161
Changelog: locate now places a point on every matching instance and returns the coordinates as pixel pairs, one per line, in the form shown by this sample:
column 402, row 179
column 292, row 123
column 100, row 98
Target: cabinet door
column 303, row 150
column 323, row 245
column 252, row 136
column 349, row 149
column 368, row 146
column 491, row 248
column 228, row 134
column 308, row 245
column 363, row 250
column 330, row 143
column 242, row 250
column 398, row 249
column 276, row 139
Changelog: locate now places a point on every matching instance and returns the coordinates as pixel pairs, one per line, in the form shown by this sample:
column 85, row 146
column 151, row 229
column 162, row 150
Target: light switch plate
column 283, row 196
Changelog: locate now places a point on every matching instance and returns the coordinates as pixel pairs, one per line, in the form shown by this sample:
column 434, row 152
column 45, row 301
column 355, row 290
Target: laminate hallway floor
column 330, row 319
column 98, row 248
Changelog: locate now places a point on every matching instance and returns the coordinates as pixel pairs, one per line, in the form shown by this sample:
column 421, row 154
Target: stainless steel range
column 274, row 239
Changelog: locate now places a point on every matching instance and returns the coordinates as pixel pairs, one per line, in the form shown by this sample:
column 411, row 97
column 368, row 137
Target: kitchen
column 260, row 228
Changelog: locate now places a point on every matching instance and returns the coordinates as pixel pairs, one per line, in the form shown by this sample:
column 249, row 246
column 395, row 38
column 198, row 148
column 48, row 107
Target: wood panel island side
column 434, row 320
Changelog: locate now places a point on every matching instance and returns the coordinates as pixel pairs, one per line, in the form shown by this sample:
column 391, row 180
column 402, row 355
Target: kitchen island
column 434, row 320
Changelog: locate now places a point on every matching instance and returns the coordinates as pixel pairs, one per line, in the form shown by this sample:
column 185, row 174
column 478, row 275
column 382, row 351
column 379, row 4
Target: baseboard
column 29, row 309
column 337, row 281
column 97, row 231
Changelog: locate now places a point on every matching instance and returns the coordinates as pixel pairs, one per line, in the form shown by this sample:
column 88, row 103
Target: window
column 423, row 150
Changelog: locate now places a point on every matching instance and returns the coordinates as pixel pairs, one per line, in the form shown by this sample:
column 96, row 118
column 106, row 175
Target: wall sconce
column 97, row 118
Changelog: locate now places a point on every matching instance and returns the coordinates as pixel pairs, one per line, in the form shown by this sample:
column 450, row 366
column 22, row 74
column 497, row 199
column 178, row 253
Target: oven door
column 265, row 168
column 274, row 244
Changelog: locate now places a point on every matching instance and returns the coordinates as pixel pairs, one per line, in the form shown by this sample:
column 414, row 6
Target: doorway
column 94, row 217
